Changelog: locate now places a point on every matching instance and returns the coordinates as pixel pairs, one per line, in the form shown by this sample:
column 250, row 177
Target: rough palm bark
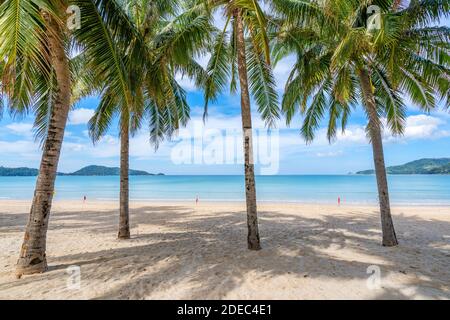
column 124, row 220
column 33, row 252
column 252, row 214
column 374, row 129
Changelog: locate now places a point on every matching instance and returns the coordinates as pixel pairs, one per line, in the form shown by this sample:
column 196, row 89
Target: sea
column 433, row 190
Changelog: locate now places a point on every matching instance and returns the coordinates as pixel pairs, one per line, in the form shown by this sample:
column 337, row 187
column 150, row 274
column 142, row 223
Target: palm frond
column 104, row 115
column 262, row 86
column 316, row 111
column 390, row 100
column 217, row 69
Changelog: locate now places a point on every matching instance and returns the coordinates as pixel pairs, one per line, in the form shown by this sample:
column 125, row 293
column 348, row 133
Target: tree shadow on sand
column 206, row 255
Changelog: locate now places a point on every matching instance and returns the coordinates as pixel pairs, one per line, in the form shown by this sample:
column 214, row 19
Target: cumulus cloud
column 424, row 127
column 20, row 149
column 417, row 127
column 80, row 116
column 353, row 134
column 107, row 147
column 23, row 129
column 186, row 83
column 330, row 154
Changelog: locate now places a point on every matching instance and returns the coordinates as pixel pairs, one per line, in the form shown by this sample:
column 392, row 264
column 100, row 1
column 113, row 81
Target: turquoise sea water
column 411, row 189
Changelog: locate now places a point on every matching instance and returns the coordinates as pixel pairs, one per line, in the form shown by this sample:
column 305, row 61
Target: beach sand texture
column 183, row 251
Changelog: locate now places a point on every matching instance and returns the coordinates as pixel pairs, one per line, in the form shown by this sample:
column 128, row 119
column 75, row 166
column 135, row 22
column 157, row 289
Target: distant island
column 422, row 166
column 18, row 172
column 86, row 171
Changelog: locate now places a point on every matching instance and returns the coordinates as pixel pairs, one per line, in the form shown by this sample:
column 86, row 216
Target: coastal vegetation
column 346, row 60
column 159, row 43
column 422, row 166
column 86, row 171
column 240, row 58
column 18, row 172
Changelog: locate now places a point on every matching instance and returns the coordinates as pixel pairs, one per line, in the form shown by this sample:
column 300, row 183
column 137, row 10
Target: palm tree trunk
column 389, row 236
column 124, row 220
column 33, row 252
column 252, row 213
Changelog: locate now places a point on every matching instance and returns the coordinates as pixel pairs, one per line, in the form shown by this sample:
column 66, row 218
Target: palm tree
column 243, row 52
column 31, row 36
column 37, row 76
column 158, row 98
column 340, row 63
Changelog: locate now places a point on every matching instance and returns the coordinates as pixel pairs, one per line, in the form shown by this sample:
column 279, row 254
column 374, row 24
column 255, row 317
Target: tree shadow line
column 208, row 251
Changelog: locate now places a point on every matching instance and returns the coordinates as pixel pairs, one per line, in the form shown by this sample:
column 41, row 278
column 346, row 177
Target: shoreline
column 181, row 251
column 219, row 202
column 421, row 191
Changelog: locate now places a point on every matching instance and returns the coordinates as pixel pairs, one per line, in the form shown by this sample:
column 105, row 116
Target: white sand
column 180, row 251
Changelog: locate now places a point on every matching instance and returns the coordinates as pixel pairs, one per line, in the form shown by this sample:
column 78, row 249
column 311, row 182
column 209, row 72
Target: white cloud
column 23, row 129
column 282, row 70
column 219, row 19
column 424, row 127
column 20, row 149
column 330, row 154
column 186, row 83
column 203, row 60
column 80, row 116
column 354, row 134
column 107, row 147
column 419, row 127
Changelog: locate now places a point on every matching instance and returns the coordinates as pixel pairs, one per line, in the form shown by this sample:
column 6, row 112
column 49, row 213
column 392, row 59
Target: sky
column 215, row 148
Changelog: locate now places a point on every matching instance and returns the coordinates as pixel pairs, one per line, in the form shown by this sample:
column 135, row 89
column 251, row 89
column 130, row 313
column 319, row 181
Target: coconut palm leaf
column 262, row 86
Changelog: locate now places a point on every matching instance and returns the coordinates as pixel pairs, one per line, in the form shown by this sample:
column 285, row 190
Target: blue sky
column 426, row 136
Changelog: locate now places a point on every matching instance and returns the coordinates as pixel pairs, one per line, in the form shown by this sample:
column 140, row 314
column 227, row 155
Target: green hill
column 422, row 166
column 86, row 171
column 18, row 172
column 105, row 171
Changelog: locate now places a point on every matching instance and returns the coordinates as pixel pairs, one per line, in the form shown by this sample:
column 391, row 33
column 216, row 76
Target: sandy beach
column 183, row 251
